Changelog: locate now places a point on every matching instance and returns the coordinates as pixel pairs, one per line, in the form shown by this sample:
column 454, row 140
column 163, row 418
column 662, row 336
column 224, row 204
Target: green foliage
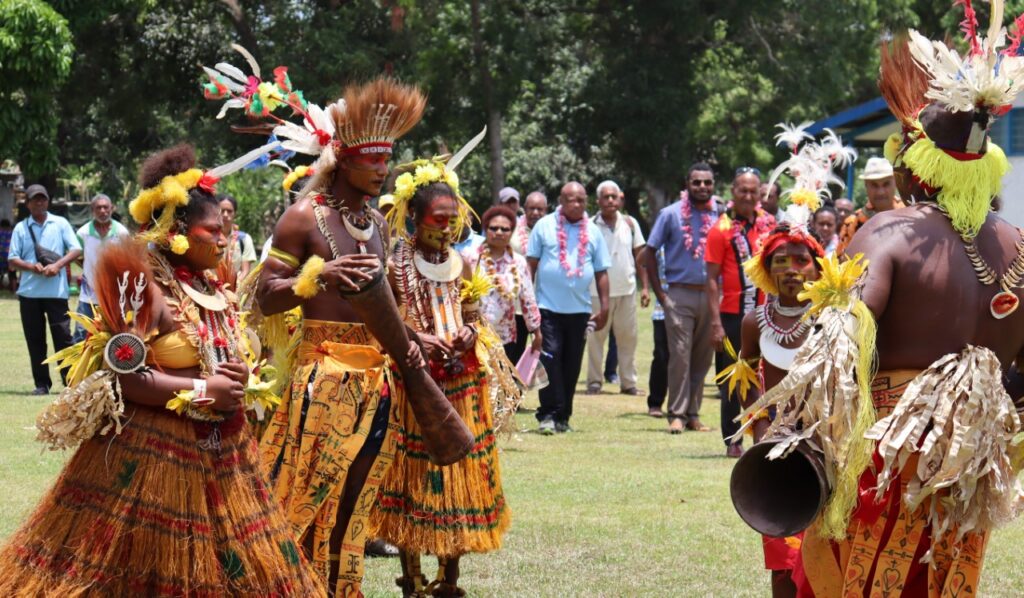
column 261, row 200
column 583, row 89
column 35, row 59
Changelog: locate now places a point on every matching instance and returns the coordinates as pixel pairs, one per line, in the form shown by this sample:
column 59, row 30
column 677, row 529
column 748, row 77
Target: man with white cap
column 509, row 197
column 880, row 184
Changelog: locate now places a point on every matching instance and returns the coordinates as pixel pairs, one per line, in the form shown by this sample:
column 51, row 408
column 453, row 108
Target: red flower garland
column 581, row 245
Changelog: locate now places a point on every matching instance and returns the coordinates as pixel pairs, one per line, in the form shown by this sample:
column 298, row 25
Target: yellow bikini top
column 172, row 351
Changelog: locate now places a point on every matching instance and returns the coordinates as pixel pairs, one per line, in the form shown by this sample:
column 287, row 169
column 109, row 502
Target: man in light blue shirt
column 43, row 292
column 564, row 269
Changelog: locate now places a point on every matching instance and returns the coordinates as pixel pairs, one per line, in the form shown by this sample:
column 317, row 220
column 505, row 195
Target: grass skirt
column 338, row 379
column 150, row 513
column 452, row 510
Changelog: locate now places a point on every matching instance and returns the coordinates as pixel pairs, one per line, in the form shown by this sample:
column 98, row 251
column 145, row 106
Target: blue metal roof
column 850, row 115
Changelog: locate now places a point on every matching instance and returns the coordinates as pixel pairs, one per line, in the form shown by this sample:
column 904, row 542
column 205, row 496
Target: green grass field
column 616, row 508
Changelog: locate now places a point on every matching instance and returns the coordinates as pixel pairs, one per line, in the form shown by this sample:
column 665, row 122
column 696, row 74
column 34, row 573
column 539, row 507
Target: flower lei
column 581, row 245
column 706, row 220
column 493, row 274
column 522, row 233
column 762, row 226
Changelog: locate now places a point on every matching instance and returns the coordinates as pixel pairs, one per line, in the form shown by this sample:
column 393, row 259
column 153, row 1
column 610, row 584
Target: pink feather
column 1016, row 37
column 970, row 25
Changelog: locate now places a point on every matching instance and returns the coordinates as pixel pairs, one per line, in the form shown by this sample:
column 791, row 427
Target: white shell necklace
column 774, row 331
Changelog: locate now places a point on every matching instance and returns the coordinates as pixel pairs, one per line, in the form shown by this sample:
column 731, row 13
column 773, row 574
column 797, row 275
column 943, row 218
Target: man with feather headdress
column 920, row 454
column 327, row 446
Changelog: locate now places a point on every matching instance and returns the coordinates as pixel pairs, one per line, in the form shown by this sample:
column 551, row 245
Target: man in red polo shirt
column 735, row 237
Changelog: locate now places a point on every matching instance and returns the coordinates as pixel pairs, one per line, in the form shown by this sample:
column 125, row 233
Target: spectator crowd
column 566, row 284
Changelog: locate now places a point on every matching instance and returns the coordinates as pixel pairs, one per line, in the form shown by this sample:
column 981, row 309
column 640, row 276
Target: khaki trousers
column 621, row 321
column 688, row 324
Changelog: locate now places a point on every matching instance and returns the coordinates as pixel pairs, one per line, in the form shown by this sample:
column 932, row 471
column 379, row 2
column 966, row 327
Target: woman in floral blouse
column 513, row 289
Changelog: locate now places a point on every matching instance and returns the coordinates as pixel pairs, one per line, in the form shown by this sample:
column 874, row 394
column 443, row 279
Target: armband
column 284, row 256
column 307, row 283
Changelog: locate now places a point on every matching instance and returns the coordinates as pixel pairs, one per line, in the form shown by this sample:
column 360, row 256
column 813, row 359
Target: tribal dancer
column 916, row 494
column 453, row 510
column 327, row 447
column 159, row 500
column 772, row 333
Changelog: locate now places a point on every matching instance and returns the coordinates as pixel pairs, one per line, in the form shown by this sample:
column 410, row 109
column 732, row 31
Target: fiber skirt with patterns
column 168, row 507
column 452, row 510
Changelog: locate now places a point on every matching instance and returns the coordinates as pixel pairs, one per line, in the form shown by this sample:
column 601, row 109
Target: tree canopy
column 569, row 89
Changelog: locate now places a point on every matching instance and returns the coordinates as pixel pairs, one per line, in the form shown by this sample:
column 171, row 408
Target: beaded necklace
column 430, row 296
column 495, row 276
column 205, row 316
column 781, row 335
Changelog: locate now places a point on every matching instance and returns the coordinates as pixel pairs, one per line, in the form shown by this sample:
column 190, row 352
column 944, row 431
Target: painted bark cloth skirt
column 328, row 412
column 168, row 507
column 886, row 541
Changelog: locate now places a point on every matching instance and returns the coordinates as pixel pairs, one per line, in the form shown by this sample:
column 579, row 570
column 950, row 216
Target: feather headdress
column 945, row 142
column 811, row 167
column 421, row 173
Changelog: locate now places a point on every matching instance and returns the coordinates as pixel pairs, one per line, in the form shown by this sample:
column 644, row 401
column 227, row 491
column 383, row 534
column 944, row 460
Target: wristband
column 199, row 397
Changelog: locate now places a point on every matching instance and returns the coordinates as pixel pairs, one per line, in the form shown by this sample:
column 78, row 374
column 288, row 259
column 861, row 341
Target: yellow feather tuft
column 307, row 283
column 807, row 198
column 966, row 187
column 476, row 288
column 758, row 275
column 835, row 285
column 740, row 374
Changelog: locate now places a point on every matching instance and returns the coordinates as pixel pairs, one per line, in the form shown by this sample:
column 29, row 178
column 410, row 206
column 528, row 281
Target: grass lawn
column 617, row 508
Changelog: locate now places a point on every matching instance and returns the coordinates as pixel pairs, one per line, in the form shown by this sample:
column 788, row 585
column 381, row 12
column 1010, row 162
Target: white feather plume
column 793, row 135
column 987, row 78
column 255, row 66
column 303, row 138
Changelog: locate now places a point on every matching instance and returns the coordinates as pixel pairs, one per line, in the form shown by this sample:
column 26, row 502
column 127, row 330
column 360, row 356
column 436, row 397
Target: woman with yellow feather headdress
column 164, row 495
column 460, row 508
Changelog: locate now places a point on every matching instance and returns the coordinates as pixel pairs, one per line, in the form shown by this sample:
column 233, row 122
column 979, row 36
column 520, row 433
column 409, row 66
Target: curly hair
column 170, row 162
column 495, row 211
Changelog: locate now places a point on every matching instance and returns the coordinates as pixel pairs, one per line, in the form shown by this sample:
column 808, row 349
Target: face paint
column 790, row 267
column 434, row 237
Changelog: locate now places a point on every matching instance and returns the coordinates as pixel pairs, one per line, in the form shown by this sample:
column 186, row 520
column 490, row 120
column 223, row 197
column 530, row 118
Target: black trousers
column 516, row 349
column 565, row 338
column 611, row 359
column 731, row 406
column 658, row 380
column 34, row 315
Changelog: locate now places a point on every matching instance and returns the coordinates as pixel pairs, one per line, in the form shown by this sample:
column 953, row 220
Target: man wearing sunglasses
column 624, row 239
column 681, row 230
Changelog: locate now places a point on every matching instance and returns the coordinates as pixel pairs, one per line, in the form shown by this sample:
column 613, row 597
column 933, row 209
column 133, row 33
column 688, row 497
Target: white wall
column 1013, row 192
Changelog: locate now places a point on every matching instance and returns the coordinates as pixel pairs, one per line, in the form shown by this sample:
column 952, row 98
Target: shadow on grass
column 27, row 393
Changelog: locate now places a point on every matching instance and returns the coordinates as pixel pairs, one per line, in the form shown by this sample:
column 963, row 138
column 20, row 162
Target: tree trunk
column 657, row 198
column 242, row 27
column 493, row 114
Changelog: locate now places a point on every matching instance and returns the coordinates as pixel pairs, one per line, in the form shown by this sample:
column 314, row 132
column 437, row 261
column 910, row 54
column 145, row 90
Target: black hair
column 826, row 210
column 5, row 223
column 224, row 196
column 778, row 187
column 424, row 196
column 170, row 162
column 699, row 166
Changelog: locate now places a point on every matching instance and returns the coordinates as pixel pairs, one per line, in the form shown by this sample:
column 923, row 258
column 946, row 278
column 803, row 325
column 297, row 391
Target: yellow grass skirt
column 158, row 510
column 452, row 510
column 337, row 381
